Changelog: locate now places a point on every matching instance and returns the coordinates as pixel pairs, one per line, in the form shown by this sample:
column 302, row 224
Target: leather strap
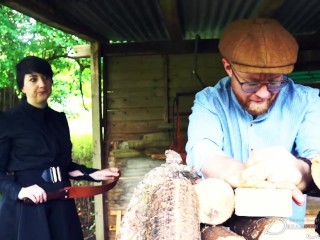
column 79, row 192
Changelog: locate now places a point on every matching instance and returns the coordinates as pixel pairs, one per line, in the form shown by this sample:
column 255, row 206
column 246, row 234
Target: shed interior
column 149, row 58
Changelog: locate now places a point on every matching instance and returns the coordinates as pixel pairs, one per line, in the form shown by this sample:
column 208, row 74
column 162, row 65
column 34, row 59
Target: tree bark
column 257, row 228
column 219, row 233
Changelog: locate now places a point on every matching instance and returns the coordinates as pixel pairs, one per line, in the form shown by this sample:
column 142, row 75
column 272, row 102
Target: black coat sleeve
column 8, row 187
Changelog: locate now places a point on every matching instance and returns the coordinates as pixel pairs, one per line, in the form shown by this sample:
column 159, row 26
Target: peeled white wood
column 254, row 202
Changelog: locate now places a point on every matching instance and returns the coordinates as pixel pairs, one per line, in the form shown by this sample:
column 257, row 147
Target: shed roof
column 165, row 20
column 150, row 22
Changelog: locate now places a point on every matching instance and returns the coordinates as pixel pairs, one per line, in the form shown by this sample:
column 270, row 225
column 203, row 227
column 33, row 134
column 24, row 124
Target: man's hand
column 274, row 167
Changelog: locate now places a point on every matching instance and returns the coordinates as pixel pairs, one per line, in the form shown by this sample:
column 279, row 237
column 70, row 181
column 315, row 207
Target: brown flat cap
column 259, row 46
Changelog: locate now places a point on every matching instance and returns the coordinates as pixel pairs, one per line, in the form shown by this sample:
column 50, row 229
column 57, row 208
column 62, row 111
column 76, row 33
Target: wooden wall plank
column 138, row 85
column 133, row 81
column 134, row 63
column 135, row 102
column 135, row 114
column 143, row 127
column 114, row 93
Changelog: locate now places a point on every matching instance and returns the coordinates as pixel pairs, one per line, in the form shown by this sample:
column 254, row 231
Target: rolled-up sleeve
column 205, row 136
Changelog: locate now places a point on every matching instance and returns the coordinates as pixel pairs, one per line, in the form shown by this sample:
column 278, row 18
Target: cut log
column 126, row 153
column 219, row 233
column 158, row 156
column 135, row 223
column 173, row 214
column 315, row 170
column 317, row 223
column 267, row 228
column 216, row 201
column 257, row 202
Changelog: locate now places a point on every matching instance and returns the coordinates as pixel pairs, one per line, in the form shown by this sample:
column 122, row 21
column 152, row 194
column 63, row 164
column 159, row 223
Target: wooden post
column 96, row 133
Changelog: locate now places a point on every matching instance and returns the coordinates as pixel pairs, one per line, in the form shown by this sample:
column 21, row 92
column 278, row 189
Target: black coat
column 31, row 140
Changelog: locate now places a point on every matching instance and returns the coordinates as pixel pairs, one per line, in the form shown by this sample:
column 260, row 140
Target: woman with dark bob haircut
column 35, row 158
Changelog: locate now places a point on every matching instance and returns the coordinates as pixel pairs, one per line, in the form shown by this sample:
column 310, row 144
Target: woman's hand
column 105, row 174
column 35, row 193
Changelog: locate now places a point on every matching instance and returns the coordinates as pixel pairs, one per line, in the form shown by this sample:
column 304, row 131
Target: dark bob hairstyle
column 29, row 65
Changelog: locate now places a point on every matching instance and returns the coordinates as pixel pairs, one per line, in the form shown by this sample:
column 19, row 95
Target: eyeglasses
column 272, row 85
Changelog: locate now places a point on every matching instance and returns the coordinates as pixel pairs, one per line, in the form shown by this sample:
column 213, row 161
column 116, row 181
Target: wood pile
column 172, row 203
column 151, row 145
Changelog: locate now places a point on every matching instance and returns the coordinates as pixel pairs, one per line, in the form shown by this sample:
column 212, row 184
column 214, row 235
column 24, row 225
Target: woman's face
column 37, row 88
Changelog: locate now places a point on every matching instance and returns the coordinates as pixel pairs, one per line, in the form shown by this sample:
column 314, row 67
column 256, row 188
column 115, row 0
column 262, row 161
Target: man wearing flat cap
column 256, row 127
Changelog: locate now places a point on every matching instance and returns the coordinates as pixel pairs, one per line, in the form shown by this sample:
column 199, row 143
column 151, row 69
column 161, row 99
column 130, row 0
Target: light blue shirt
column 219, row 125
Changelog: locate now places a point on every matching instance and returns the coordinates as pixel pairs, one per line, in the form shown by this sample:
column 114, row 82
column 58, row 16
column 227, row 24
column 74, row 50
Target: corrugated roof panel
column 208, row 18
column 144, row 20
column 300, row 17
column 121, row 20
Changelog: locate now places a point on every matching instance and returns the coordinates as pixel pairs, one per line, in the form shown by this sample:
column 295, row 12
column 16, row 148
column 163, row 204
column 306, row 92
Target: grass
column 82, row 154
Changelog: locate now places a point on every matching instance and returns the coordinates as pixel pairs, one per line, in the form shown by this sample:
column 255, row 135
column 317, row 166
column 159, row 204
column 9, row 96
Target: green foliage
column 82, row 154
column 82, row 149
column 22, row 36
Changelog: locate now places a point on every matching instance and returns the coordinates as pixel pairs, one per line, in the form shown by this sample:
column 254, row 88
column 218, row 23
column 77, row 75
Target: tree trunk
column 219, row 233
column 256, row 228
column 173, row 214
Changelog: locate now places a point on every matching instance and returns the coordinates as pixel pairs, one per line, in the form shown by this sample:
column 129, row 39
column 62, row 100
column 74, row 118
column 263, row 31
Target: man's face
column 260, row 100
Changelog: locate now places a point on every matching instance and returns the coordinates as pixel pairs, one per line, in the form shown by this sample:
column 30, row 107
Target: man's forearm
column 225, row 168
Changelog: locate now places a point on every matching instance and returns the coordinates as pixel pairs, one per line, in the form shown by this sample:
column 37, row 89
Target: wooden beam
column 97, row 135
column 308, row 57
column 82, row 51
column 45, row 12
column 161, row 47
column 310, row 42
column 171, row 18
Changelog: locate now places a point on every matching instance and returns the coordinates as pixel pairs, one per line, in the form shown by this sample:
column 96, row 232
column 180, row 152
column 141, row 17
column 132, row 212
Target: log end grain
column 216, row 201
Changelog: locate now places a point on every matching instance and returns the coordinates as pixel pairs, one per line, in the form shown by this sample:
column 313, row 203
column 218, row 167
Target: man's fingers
column 297, row 196
column 254, row 175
